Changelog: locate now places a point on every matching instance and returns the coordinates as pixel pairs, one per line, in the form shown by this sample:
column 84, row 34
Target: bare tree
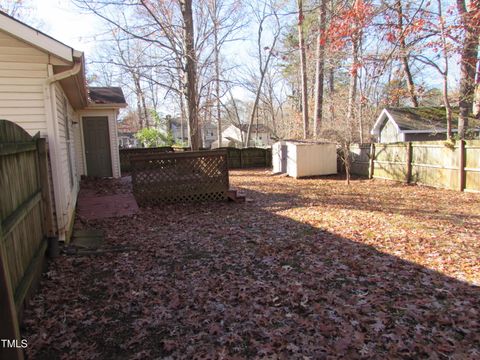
column 303, row 69
column 403, row 50
column 266, row 12
column 190, row 73
column 469, row 50
column 319, row 73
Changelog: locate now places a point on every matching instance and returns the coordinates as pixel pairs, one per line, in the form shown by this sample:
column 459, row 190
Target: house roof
column 37, row 38
column 106, row 95
column 68, row 65
column 419, row 120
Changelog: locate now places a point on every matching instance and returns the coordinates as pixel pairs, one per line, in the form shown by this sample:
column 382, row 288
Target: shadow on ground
column 224, row 280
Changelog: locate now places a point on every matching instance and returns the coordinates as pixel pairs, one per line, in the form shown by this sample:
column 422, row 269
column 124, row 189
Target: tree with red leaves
column 469, row 22
column 347, row 30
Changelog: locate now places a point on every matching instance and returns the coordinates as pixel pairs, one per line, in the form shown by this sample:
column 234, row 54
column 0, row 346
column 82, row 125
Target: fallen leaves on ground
column 308, row 269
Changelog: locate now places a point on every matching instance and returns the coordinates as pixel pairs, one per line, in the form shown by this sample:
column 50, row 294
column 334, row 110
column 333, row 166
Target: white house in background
column 209, row 135
column 415, row 124
column 43, row 89
column 235, row 135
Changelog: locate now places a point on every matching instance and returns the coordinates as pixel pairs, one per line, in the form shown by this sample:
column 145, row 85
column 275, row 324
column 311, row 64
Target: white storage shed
column 304, row 158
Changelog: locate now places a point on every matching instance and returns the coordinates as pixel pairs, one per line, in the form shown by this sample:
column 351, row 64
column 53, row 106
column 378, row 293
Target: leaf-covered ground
column 308, row 269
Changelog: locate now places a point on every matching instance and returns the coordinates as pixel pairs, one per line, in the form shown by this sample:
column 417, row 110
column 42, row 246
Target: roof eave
column 36, row 38
column 92, row 105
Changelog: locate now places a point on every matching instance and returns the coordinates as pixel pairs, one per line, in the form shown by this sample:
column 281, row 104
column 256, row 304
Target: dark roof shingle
column 426, row 118
column 106, row 95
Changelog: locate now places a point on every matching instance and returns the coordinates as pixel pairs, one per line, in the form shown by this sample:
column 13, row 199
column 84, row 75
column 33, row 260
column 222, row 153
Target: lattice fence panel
column 180, row 177
column 126, row 154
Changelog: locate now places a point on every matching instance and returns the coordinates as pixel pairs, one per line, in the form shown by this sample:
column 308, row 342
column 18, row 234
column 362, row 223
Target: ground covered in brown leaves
column 309, row 269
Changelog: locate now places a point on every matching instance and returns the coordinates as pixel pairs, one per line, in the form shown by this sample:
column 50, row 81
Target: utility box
column 304, row 158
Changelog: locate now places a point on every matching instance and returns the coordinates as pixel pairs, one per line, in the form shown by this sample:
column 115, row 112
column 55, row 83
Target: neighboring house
column 127, row 128
column 209, row 135
column 235, row 135
column 176, row 129
column 414, row 124
column 43, row 90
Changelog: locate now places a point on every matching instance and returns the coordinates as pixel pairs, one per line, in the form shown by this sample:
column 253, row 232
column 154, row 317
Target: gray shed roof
column 421, row 119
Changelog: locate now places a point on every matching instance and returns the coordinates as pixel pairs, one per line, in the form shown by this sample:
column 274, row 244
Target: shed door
column 97, row 146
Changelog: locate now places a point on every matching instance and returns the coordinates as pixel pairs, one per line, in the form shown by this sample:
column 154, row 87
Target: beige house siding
column 31, row 97
column 112, row 123
column 23, row 70
column 68, row 175
column 389, row 133
column 78, row 143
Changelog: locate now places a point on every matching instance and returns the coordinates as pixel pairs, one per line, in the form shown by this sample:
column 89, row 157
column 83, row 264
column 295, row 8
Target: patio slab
column 91, row 206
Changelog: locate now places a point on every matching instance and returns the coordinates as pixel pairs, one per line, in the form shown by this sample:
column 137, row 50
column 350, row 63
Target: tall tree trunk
column 320, row 69
column 140, row 103
column 182, row 110
column 352, row 92
column 476, row 99
column 145, row 109
column 303, row 69
column 217, row 77
column 404, row 55
column 446, row 101
column 331, row 92
column 139, row 113
column 263, row 70
column 467, row 66
column 190, row 75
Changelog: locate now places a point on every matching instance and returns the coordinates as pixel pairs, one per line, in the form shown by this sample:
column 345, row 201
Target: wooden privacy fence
column 24, row 221
column 430, row 163
column 180, row 177
column 125, row 155
column 248, row 157
column 237, row 158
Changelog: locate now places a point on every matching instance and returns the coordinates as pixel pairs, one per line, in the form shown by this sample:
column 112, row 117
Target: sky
column 65, row 22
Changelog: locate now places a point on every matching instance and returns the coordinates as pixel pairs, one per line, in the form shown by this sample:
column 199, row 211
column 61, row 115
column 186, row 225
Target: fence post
column 9, row 329
column 409, row 162
column 371, row 163
column 461, row 166
column 44, row 179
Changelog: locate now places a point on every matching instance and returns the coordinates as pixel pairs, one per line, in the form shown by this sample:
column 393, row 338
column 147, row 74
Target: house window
column 68, row 141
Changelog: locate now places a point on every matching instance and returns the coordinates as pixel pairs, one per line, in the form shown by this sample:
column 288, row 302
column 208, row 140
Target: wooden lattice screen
column 125, row 155
column 180, row 177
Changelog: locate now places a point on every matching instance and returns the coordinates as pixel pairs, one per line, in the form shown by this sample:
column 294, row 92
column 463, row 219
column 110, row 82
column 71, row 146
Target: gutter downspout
column 59, row 198
column 64, row 74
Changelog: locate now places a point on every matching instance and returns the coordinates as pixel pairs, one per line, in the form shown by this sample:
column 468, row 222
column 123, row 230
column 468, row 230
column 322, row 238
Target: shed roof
column 106, row 95
column 421, row 119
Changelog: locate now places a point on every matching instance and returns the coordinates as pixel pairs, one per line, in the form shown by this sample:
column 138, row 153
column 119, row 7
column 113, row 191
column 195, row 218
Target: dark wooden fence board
column 23, row 218
column 125, row 155
column 237, row 158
